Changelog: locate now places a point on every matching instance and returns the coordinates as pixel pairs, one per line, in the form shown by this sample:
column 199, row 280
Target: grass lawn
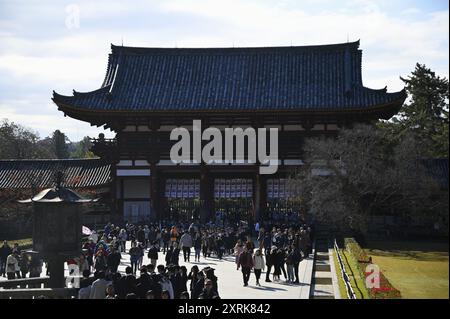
column 417, row 269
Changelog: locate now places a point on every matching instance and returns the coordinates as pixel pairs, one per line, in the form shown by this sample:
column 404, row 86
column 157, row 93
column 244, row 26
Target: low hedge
column 386, row 290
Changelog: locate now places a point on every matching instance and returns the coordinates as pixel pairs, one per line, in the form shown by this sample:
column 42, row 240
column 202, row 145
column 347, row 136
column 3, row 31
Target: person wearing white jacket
column 167, row 285
column 259, row 265
column 12, row 266
column 186, row 243
column 98, row 287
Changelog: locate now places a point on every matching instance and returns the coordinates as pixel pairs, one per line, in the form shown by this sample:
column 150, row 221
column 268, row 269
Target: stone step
column 323, row 267
column 325, row 262
column 322, row 291
column 323, row 278
column 322, row 256
column 322, row 297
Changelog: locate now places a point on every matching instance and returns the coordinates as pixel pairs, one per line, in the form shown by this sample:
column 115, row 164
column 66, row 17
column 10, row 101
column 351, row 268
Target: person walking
column 5, row 251
column 186, row 244
column 238, row 249
column 168, row 257
column 193, row 277
column 280, row 260
column 141, row 248
column 197, row 247
column 135, row 255
column 126, row 284
column 122, row 239
column 258, row 262
column 166, row 239
column 270, row 260
column 98, row 288
column 204, row 245
column 297, row 258
column 245, row 261
column 208, row 291
column 100, row 263
column 290, row 265
column 24, row 265
column 153, row 253
column 174, row 258
column 113, row 260
column 12, row 265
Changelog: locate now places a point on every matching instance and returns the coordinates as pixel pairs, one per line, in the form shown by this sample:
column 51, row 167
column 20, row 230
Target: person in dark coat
column 297, row 258
column 113, row 260
column 267, row 243
column 173, row 273
column 183, row 278
column 5, row 251
column 245, row 261
column 126, row 284
column 280, row 261
column 270, row 260
column 209, row 274
column 193, row 277
column 155, row 286
column 168, row 257
column 208, row 291
column 143, row 283
column 140, row 235
column 175, row 257
column 153, row 253
column 198, row 286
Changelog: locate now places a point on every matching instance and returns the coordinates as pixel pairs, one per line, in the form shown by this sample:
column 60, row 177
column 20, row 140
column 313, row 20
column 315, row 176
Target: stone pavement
column 230, row 283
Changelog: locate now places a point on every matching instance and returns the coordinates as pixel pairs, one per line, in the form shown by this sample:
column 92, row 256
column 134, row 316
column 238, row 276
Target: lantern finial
column 58, row 179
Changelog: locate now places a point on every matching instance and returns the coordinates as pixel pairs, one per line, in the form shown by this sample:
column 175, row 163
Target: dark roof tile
column 78, row 173
column 324, row 77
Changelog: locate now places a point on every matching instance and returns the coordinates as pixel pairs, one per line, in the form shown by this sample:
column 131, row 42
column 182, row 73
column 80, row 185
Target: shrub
column 386, row 290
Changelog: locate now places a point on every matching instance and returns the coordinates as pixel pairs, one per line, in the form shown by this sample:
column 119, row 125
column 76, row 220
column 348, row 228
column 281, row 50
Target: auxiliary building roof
column 77, row 173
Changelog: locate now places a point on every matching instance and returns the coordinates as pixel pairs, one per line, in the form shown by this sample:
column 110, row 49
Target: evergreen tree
column 60, row 145
column 81, row 149
column 425, row 114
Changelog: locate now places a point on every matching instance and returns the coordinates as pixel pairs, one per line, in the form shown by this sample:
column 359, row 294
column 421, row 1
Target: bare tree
column 361, row 173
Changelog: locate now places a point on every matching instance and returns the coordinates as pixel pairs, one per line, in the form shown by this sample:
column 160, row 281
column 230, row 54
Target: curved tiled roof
column 77, row 173
column 305, row 78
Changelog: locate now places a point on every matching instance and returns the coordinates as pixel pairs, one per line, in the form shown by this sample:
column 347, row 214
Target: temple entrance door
column 284, row 204
column 233, row 199
column 182, row 209
column 182, row 199
column 137, row 211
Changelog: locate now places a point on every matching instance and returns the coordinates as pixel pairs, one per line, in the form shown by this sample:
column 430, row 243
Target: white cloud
column 76, row 59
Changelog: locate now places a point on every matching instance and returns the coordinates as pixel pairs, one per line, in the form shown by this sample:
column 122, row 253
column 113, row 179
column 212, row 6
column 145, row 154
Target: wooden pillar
column 155, row 194
column 260, row 195
column 206, row 194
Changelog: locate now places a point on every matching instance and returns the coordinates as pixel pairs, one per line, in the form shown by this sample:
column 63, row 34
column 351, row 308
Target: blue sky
column 42, row 48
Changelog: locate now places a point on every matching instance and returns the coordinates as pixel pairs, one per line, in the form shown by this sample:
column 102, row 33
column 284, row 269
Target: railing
column 53, row 293
column 348, row 286
column 25, row 283
column 29, row 288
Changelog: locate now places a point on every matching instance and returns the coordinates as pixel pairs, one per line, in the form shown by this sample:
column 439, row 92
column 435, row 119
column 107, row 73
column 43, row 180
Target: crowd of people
column 274, row 248
column 16, row 264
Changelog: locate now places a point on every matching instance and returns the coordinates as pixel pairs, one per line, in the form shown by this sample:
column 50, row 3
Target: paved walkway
column 230, row 283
